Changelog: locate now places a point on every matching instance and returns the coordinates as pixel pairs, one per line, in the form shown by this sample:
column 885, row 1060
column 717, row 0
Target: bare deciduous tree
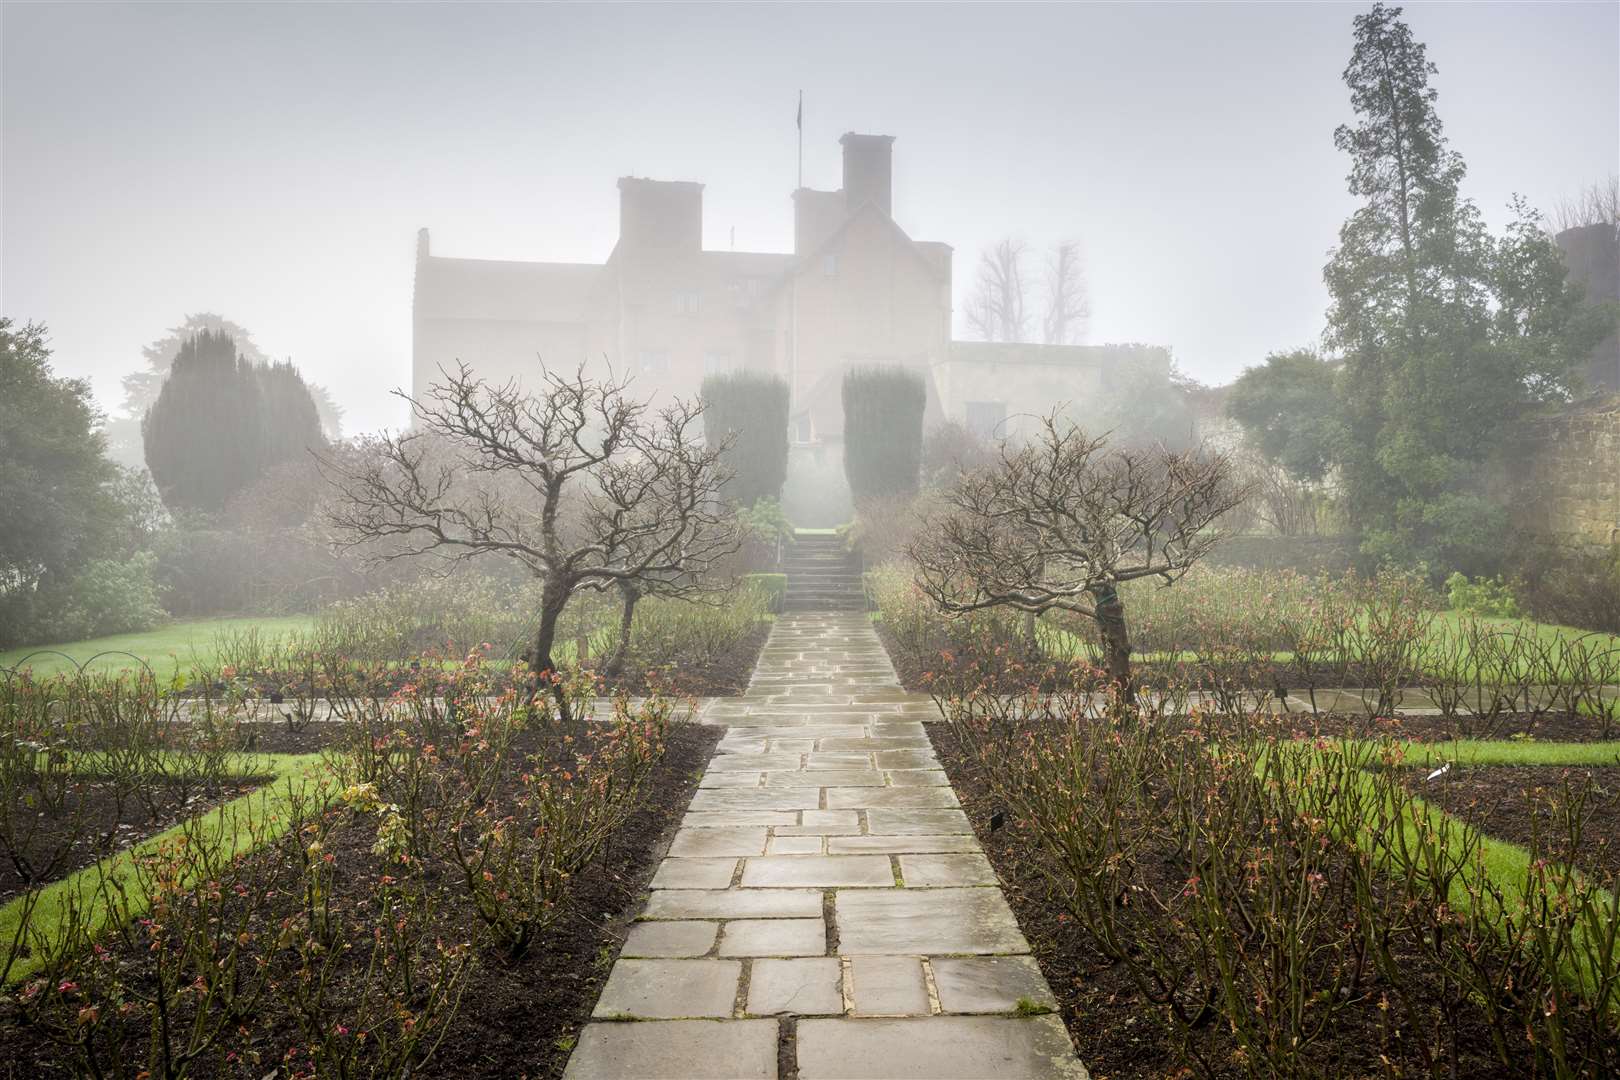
column 584, row 486
column 1598, row 204
column 668, row 501
column 1060, row 521
column 995, row 307
column 1066, row 304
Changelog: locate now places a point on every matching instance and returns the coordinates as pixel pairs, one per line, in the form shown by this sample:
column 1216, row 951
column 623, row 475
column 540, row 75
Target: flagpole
column 793, row 324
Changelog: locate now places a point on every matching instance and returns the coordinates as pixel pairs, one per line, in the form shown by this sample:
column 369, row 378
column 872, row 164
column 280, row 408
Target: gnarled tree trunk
column 544, row 670
column 1116, row 642
column 630, row 596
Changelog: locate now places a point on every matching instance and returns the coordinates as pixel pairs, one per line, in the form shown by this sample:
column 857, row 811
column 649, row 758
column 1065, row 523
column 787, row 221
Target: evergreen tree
column 883, row 430
column 220, row 421
column 1449, row 337
column 752, row 410
column 56, row 482
column 141, row 387
column 291, row 420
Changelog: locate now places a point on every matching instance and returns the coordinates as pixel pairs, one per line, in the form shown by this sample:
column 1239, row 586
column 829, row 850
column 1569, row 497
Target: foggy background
column 271, row 163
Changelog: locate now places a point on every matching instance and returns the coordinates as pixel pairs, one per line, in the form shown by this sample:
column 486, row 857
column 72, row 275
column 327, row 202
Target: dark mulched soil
column 1550, row 727
column 92, row 822
column 516, row 1020
column 522, row 1022
column 718, row 675
column 1514, row 802
column 1118, row 1034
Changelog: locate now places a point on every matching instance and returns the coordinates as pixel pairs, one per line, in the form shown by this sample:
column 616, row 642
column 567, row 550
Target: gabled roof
column 926, row 252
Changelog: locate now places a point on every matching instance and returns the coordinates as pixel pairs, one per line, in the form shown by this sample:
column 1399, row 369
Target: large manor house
column 856, row 289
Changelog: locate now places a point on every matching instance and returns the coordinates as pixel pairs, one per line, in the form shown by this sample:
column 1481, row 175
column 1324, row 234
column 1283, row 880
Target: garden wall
column 1570, row 476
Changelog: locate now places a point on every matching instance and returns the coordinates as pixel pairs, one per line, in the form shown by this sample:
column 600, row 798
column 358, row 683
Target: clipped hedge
column 883, row 430
column 752, row 410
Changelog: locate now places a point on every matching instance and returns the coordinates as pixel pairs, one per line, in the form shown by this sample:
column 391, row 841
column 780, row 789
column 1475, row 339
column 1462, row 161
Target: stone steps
column 822, row 576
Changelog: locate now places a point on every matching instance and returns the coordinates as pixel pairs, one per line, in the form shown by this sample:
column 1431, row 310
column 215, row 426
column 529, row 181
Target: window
column 653, row 361
column 985, row 418
column 687, row 302
column 829, row 265
column 716, row 362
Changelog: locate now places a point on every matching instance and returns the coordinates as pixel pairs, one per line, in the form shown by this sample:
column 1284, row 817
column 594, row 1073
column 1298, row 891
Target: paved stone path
column 825, row 911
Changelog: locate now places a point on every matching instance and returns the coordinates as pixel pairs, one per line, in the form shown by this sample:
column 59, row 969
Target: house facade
column 856, row 289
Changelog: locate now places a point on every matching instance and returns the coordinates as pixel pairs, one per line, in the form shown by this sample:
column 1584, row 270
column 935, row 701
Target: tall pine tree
column 1435, row 378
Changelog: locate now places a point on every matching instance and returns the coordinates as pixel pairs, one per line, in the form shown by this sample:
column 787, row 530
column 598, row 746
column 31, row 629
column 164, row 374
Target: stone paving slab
column 676, row 1050
column 926, row 921
column 807, row 986
column 775, row 937
column 896, row 845
column 818, row 871
column 718, row 841
column 937, row 1048
column 990, row 984
column 826, row 890
column 670, row 939
column 695, row 874
column 888, row 986
column 963, row 868
column 669, row 989
column 733, row 904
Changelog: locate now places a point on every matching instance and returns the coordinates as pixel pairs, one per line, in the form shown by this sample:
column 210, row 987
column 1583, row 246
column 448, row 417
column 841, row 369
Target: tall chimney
column 660, row 215
column 868, row 170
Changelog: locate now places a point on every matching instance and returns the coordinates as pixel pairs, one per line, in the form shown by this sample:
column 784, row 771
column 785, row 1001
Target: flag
column 799, row 119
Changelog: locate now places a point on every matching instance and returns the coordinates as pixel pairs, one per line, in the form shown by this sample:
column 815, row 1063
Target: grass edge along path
column 289, row 776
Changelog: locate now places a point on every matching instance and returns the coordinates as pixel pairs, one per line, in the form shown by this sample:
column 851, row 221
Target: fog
column 272, row 163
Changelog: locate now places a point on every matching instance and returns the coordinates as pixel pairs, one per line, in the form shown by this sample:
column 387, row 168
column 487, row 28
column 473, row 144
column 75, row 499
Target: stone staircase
column 821, row 575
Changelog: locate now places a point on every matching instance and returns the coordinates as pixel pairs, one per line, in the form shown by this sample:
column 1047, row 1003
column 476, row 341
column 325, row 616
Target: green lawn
column 177, row 644
column 251, row 820
column 1071, row 644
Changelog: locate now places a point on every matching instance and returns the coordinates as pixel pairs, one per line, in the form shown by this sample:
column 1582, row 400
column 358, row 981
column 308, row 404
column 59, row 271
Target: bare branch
column 1067, row 306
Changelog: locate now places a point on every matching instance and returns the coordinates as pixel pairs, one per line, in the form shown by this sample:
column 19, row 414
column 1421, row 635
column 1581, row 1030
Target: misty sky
column 272, row 163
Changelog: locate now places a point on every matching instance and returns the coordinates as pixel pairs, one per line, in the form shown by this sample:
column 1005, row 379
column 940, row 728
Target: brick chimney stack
column 868, row 170
column 660, row 215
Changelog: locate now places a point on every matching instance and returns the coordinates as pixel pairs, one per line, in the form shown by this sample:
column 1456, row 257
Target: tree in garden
column 655, row 501
column 1596, row 204
column 56, row 482
column 1287, row 409
column 1449, row 336
column 997, row 307
column 883, row 430
column 1062, row 520
column 1146, row 401
column 221, row 420
column 141, row 387
column 292, row 422
column 582, row 485
column 1067, row 305
column 751, row 412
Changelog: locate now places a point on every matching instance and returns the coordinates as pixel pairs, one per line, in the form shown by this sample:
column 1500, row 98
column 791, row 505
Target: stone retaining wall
column 1570, row 479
